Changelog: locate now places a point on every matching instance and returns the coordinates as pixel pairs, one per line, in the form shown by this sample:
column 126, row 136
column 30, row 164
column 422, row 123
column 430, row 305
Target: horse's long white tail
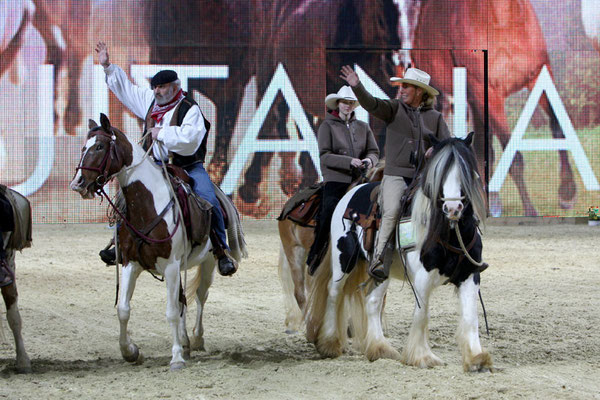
column 317, row 298
column 293, row 314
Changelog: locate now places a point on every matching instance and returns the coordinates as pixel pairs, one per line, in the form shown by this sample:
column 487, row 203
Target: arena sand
column 542, row 294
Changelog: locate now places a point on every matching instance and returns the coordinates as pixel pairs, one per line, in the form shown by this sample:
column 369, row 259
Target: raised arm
column 135, row 98
column 385, row 110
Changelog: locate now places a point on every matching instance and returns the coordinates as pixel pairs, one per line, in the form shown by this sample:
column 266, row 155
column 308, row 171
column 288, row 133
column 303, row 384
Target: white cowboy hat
column 345, row 93
column 418, row 78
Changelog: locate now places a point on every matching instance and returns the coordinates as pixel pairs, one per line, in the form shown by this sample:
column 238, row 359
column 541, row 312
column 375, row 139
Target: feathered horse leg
column 475, row 358
column 417, row 351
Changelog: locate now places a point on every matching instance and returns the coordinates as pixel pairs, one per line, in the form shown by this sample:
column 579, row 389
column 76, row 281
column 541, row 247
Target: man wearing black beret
column 176, row 125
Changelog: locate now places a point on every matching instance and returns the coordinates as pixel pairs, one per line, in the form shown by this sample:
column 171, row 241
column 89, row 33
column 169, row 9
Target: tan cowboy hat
column 345, row 93
column 418, row 78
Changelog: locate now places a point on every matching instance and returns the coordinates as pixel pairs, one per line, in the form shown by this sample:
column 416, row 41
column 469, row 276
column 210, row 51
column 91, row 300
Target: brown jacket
column 404, row 129
column 340, row 143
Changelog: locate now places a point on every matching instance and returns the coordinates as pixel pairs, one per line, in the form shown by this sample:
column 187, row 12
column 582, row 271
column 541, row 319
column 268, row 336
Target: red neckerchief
column 158, row 112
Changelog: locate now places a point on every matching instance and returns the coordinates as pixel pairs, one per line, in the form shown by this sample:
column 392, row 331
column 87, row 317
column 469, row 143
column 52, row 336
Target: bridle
column 103, row 178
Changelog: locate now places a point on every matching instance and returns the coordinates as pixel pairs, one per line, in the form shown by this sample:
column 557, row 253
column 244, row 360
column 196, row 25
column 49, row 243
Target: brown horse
column 513, row 65
column 312, row 40
column 67, row 27
column 14, row 241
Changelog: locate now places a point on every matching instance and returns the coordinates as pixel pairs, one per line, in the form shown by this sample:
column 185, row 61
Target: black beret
column 162, row 77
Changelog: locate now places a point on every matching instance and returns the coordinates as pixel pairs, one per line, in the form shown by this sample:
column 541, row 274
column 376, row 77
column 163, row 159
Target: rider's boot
column 379, row 269
column 226, row 264
column 109, row 254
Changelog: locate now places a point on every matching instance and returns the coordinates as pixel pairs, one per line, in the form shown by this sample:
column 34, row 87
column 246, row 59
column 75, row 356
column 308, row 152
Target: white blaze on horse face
column 78, row 183
column 452, row 205
column 408, row 16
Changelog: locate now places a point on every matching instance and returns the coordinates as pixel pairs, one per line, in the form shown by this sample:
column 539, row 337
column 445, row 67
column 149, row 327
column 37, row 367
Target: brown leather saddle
column 303, row 207
column 196, row 210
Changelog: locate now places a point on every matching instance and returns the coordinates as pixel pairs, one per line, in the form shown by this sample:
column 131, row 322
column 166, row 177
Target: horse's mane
column 427, row 217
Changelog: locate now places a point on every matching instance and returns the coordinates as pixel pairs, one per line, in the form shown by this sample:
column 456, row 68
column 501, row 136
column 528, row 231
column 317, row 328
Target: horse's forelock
column 427, row 216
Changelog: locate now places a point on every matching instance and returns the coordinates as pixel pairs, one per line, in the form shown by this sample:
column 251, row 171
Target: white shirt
column 183, row 140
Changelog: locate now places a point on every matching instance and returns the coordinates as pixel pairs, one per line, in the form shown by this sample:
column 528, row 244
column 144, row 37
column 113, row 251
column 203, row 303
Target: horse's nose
column 453, row 209
column 77, row 183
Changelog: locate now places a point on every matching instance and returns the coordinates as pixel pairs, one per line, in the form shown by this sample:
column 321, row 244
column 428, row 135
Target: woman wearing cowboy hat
column 345, row 146
column 410, row 120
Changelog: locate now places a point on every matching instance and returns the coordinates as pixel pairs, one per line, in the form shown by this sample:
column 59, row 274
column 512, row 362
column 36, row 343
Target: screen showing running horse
column 522, row 74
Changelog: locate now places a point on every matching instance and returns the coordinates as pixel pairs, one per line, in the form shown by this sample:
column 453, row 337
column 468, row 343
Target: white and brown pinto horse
column 151, row 236
column 296, row 241
column 449, row 201
column 15, row 241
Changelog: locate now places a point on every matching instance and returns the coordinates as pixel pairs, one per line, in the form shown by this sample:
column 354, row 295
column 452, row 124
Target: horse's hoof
column 480, row 363
column 382, row 350
column 186, row 353
column 291, row 331
column 24, row 370
column 329, row 348
column 176, row 366
column 133, row 356
column 197, row 343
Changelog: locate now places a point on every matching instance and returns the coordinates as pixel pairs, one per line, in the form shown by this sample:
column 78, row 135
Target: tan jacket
column 405, row 126
column 339, row 143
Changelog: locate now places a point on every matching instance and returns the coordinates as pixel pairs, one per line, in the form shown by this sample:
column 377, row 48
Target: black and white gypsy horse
column 447, row 209
column 151, row 234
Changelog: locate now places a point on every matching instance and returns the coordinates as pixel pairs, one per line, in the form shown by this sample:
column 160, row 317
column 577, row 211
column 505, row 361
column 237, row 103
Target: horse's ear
column 105, row 122
column 469, row 139
column 92, row 124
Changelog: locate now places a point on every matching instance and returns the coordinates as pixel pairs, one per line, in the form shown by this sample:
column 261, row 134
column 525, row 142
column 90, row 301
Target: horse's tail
column 354, row 294
column 293, row 314
column 317, row 298
column 235, row 234
column 193, row 284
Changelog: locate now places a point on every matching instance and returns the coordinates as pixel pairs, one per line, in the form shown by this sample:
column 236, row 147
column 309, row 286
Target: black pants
column 332, row 193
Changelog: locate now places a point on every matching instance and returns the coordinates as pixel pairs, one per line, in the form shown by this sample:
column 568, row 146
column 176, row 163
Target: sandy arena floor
column 542, row 294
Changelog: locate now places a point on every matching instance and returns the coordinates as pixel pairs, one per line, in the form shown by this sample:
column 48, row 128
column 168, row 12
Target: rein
column 103, row 171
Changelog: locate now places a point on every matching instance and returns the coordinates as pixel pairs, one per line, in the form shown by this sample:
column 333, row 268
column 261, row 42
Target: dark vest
column 177, row 119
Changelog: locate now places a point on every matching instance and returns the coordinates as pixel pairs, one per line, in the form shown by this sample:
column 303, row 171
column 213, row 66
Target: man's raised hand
column 102, row 50
column 348, row 74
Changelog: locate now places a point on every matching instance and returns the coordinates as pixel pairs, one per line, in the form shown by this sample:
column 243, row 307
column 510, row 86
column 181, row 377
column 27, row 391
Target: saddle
column 196, row 210
column 364, row 210
column 302, row 208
